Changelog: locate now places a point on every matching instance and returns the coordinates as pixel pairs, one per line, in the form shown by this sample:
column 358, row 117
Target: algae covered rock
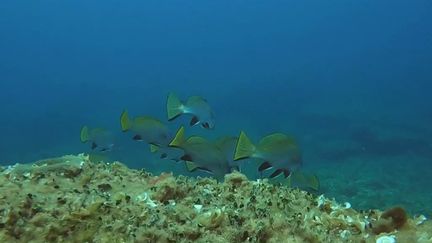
column 71, row 199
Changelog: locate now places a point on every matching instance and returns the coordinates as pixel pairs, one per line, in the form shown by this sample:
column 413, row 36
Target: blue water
column 351, row 80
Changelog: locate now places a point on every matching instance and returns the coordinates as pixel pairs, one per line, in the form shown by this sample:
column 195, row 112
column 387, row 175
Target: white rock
column 386, row 239
column 420, row 219
column 347, row 205
column 321, row 200
column 198, row 207
column 144, row 197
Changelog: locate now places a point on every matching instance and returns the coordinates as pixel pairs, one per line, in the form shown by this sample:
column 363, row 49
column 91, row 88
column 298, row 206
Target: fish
column 100, row 139
column 227, row 145
column 167, row 152
column 305, row 180
column 277, row 151
column 201, row 154
column 146, row 128
column 198, row 107
column 300, row 179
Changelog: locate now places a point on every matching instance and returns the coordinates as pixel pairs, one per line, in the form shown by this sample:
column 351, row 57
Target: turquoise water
column 351, row 80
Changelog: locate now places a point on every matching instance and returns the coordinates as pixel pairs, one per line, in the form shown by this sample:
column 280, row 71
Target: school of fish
column 276, row 153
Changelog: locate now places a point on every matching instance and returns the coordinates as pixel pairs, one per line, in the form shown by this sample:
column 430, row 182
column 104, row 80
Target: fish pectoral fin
column 264, row 166
column 137, row 137
column 276, row 173
column 205, row 170
column 105, row 149
column 154, row 148
column 163, row 156
column 205, row 125
column 194, row 121
column 186, row 157
column 94, row 145
column 174, row 106
column 190, row 166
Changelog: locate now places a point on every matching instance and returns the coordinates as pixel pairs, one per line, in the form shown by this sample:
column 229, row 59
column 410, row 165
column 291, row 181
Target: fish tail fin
column 174, row 106
column 154, row 148
column 244, row 148
column 314, row 182
column 125, row 121
column 84, row 136
column 179, row 138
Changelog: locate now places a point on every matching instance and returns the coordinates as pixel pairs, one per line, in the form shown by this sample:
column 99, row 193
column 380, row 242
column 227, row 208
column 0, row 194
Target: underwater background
column 351, row 80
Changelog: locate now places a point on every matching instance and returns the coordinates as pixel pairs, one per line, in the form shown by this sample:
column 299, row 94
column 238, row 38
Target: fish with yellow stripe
column 277, row 151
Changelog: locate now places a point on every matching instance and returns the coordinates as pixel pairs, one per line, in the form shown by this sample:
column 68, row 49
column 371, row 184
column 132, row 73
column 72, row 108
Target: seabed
column 71, row 199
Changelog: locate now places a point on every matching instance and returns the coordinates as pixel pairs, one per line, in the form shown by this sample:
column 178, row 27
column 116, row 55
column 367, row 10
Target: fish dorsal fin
column 191, row 166
column 174, row 106
column 154, row 148
column 196, row 139
column 179, row 138
column 93, row 146
column 84, row 136
column 194, row 121
column 125, row 121
column 244, row 147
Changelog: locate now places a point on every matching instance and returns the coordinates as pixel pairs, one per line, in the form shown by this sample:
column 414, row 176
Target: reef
column 71, row 199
